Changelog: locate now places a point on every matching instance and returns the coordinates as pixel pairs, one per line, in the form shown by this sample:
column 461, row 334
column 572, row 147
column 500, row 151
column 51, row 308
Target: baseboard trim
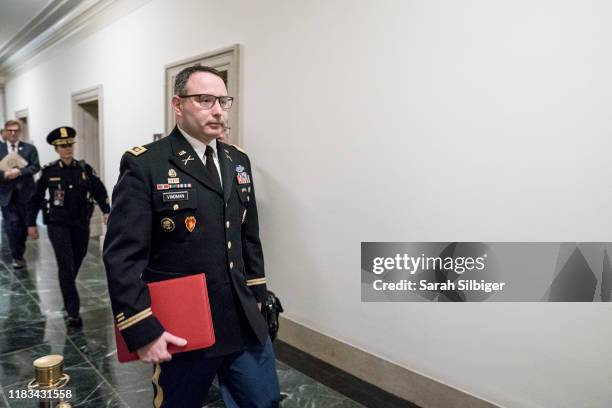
column 400, row 381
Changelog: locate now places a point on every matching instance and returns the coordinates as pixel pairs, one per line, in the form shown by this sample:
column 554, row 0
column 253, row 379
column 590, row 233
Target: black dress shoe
column 75, row 321
column 19, row 263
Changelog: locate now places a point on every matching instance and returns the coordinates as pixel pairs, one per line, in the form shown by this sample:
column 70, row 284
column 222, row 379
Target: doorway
column 87, row 121
column 22, row 116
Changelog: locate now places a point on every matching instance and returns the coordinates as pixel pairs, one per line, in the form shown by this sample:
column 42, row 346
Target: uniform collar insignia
column 185, row 161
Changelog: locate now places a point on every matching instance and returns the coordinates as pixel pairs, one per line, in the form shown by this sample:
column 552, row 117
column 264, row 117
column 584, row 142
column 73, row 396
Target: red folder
column 181, row 305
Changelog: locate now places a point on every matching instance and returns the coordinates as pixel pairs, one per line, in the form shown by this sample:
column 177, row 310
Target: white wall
column 394, row 121
column 2, row 115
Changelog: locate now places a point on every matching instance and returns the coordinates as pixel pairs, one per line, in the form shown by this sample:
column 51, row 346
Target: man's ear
column 176, row 106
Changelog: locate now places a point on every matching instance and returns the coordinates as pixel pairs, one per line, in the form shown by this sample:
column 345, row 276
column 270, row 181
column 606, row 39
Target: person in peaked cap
column 16, row 189
column 71, row 185
column 184, row 205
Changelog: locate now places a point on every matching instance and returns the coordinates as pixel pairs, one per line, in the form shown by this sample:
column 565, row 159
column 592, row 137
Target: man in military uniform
column 185, row 205
column 72, row 185
column 16, row 189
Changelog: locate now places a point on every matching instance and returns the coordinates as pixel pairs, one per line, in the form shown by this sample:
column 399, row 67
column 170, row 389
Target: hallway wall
column 2, row 115
column 392, row 121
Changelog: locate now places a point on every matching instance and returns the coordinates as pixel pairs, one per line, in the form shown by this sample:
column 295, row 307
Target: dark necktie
column 212, row 169
column 12, row 147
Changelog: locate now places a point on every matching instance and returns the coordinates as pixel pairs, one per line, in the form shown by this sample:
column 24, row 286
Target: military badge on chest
column 58, row 197
column 190, row 223
column 167, row 224
column 242, row 176
column 172, row 182
column 178, row 200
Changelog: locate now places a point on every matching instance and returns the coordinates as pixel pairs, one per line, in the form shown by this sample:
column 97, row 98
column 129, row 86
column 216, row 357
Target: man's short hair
column 12, row 123
column 180, row 82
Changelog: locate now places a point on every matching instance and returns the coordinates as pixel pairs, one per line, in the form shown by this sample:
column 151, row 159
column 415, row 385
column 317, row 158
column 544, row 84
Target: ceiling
column 15, row 15
column 29, row 27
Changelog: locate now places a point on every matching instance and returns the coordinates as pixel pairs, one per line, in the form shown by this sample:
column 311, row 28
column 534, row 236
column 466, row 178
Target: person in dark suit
column 72, row 187
column 16, row 190
column 185, row 205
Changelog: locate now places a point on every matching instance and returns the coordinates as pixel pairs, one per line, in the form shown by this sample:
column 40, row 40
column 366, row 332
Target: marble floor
column 32, row 325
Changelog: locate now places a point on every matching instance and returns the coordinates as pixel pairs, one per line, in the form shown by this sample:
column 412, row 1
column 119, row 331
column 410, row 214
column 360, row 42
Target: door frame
column 19, row 115
column 3, row 110
column 90, row 95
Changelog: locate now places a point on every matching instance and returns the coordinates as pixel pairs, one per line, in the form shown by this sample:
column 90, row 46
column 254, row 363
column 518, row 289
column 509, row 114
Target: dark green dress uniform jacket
column 162, row 188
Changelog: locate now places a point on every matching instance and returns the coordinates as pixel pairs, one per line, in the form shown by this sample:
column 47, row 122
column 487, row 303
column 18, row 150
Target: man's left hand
column 105, row 218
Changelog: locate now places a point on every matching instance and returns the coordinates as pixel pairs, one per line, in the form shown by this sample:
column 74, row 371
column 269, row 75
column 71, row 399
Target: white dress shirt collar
column 199, row 146
column 8, row 146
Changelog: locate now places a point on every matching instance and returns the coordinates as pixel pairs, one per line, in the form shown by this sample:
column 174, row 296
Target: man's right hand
column 157, row 350
column 11, row 174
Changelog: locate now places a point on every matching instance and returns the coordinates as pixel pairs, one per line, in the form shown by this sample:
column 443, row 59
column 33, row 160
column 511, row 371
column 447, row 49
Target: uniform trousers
column 70, row 247
column 249, row 376
column 15, row 222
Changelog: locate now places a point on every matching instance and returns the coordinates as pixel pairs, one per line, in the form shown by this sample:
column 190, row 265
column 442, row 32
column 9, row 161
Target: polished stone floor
column 32, row 325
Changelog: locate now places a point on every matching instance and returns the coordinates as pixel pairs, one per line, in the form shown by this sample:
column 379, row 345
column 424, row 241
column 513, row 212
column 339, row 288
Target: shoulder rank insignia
column 137, row 150
column 239, row 148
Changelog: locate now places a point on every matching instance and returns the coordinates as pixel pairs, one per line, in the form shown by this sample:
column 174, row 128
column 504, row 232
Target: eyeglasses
column 205, row 101
column 12, row 130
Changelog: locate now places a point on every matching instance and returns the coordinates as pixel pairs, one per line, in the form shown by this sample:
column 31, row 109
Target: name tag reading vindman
column 176, row 196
